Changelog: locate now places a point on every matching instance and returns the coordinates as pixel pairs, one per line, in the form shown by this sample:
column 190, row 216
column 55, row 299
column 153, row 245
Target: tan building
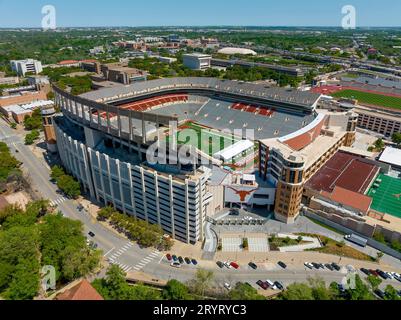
column 382, row 122
column 291, row 161
column 9, row 80
column 121, row 73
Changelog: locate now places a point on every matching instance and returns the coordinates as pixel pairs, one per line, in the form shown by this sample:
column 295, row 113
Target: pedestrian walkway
column 145, row 261
column 258, row 245
column 123, row 267
column 117, row 254
column 58, row 201
column 231, row 244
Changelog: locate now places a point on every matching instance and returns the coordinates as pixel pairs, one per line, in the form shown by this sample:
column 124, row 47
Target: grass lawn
column 370, row 98
column 205, row 139
column 338, row 249
column 277, row 243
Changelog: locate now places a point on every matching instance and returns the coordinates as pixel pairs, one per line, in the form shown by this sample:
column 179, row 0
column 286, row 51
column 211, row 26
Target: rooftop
column 391, row 156
column 344, row 170
column 83, row 291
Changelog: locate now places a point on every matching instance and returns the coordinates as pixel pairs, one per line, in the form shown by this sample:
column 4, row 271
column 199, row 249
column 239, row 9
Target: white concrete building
column 197, row 61
column 22, row 67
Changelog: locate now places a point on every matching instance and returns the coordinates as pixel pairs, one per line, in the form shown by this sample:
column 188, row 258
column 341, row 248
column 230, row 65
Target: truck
column 357, row 240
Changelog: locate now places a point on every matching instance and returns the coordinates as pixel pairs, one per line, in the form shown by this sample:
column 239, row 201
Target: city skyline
column 179, row 13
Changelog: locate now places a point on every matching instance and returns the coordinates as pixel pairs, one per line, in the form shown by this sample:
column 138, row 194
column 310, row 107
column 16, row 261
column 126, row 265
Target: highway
column 128, row 255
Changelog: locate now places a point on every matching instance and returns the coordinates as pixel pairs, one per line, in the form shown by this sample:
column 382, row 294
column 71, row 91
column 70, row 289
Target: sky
column 92, row 13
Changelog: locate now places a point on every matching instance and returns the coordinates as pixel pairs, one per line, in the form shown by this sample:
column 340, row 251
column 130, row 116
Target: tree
column 374, row 282
column 379, row 256
column 391, row 293
column 297, row 291
column 175, row 290
column 30, row 138
column 57, row 172
column 202, row 281
column 13, row 125
column 243, row 291
column 105, row 213
column 69, row 186
column 320, row 291
column 396, row 138
column 379, row 144
column 360, row 291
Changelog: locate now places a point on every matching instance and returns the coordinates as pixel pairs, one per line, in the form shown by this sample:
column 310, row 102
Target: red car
column 234, row 265
column 374, row 273
column 169, row 257
column 262, row 284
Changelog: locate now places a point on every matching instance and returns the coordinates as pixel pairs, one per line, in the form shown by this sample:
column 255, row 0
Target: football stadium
column 176, row 151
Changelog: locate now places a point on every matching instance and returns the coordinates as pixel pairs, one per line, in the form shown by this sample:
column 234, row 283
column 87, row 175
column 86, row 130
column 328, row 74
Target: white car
column 390, row 276
column 228, row 264
column 271, row 284
column 395, row 274
column 176, row 265
column 227, row 286
column 308, row 265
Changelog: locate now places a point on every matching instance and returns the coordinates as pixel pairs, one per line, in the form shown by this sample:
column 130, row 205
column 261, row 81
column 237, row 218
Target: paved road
column 119, row 250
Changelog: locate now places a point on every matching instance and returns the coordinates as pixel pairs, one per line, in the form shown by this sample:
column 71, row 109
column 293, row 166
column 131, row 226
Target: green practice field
column 370, row 98
column 387, row 197
column 204, row 139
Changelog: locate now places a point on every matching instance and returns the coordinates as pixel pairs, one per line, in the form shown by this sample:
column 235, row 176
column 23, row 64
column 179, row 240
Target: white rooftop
column 391, row 156
column 237, row 51
column 234, row 150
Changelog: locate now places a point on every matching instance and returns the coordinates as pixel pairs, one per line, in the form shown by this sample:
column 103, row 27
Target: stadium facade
column 104, row 139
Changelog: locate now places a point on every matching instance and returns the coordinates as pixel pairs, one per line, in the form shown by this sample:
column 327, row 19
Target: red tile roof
column 68, row 62
column 346, row 171
column 350, row 199
column 83, row 291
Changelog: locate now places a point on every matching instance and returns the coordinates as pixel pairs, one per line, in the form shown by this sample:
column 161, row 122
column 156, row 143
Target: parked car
column 234, row 265
column 329, row 266
column 253, row 265
column 175, row 259
column 380, row 294
column 227, row 286
column 234, row 212
column 92, row 234
column 308, row 265
column 316, row 265
column 220, row 264
column 262, row 284
column 321, row 265
column 187, row 260
column 169, row 257
column 228, row 264
column 382, row 274
column 374, row 273
column 282, row 264
column 194, row 262
column 336, row 266
column 271, row 284
column 390, row 276
column 279, row 285
column 365, row 271
column 176, row 265
column 181, row 260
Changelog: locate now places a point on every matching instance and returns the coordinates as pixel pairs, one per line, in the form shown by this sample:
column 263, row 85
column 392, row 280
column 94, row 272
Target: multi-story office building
column 22, row 67
column 197, row 61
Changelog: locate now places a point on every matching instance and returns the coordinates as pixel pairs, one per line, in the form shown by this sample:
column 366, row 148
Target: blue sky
column 27, row 13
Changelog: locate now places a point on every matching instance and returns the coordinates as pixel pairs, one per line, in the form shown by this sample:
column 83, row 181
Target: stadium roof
column 391, row 156
column 243, row 51
column 138, row 89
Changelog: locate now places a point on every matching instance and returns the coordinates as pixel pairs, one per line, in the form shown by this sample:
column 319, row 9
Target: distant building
column 83, row 291
column 197, row 61
column 240, row 51
column 391, row 156
column 97, row 50
column 9, row 80
column 22, row 67
column 22, row 98
column 167, row 60
column 19, row 111
column 121, row 73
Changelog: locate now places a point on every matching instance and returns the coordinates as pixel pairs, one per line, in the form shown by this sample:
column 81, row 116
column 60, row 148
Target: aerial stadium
column 175, row 151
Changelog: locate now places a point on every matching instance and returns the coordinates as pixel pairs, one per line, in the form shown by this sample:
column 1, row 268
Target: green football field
column 205, row 139
column 387, row 197
column 370, row 98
